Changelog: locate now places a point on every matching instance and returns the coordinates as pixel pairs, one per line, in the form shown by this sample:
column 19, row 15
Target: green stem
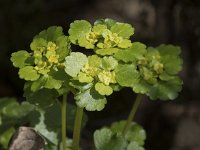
column 63, row 116
column 77, row 128
column 132, row 113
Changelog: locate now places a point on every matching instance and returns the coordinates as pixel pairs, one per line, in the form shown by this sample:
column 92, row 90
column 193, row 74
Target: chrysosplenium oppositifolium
column 52, row 68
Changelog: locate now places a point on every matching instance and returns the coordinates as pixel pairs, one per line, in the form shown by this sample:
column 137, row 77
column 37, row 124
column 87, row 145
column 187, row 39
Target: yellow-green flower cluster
column 151, row 67
column 101, row 35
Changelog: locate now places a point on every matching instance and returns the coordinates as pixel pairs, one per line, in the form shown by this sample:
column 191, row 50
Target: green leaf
column 28, row 73
column 169, row 50
column 38, row 44
column 78, row 29
column 15, row 110
column 41, row 127
column 52, row 83
column 91, row 100
column 166, row 77
column 42, row 98
column 84, row 78
column 125, row 43
column 141, row 87
column 74, row 63
column 152, row 53
column 103, row 89
column 53, row 117
column 5, row 101
column 94, row 61
column 21, row 58
column 99, row 28
column 6, row 136
column 135, row 132
column 59, row 74
column 83, row 42
column 172, row 64
column 108, row 51
column 11, row 112
column 63, row 50
column 127, row 75
column 51, row 34
column 108, row 22
column 38, row 84
column 166, row 90
column 82, row 87
column 123, row 29
column 134, row 146
column 104, row 139
column 109, row 63
column 136, row 51
column 115, row 87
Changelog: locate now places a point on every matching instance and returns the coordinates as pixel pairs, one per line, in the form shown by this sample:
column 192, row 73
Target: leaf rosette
column 105, row 37
column 43, row 67
column 150, row 71
column 93, row 76
column 112, row 138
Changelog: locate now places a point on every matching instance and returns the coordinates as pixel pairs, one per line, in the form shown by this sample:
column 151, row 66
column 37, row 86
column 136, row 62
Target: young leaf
column 51, row 34
column 99, row 28
column 84, row 78
column 28, row 73
column 63, row 44
column 103, row 89
column 125, row 43
column 38, row 44
column 94, row 61
column 123, row 29
column 21, row 58
column 78, row 29
column 74, row 63
column 127, row 75
column 91, row 100
column 84, row 43
column 109, row 63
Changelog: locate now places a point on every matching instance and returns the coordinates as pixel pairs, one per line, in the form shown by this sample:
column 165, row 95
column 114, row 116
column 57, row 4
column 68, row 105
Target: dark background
column 169, row 125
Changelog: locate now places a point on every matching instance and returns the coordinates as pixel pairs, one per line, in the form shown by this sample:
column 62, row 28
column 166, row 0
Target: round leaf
column 74, row 63
column 28, row 73
column 127, row 75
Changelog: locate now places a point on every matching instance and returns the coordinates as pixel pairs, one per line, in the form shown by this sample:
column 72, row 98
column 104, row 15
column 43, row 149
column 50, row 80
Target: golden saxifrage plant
column 52, row 69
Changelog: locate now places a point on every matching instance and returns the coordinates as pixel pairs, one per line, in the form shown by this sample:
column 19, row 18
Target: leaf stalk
column 77, row 128
column 132, row 113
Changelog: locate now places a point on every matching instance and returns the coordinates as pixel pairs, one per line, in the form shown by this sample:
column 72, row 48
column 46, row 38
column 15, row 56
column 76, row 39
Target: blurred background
column 169, row 125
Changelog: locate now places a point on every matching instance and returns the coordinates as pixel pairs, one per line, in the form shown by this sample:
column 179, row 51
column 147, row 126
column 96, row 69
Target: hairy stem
column 132, row 113
column 77, row 128
column 64, row 122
